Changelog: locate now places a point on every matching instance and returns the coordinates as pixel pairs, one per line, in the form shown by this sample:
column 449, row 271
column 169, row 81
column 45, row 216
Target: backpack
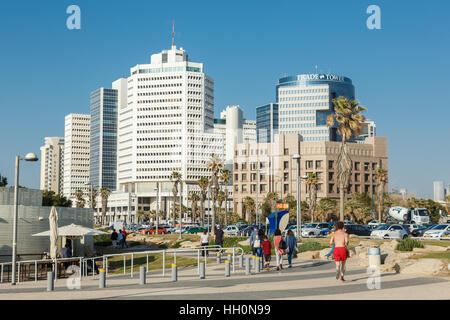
column 282, row 244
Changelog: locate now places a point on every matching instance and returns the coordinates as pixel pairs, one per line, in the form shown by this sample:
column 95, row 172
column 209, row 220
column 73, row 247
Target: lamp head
column 296, row 156
column 31, row 157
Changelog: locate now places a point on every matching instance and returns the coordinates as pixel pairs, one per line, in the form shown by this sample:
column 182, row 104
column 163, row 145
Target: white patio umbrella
column 53, row 220
column 72, row 231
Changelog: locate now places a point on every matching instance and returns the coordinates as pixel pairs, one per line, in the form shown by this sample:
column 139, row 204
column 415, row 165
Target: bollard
column 374, row 257
column 174, row 273
column 218, row 257
column 247, row 266
column 142, row 275
column 258, row 265
column 229, row 257
column 102, row 279
column 241, row 262
column 50, row 283
column 227, row 268
column 202, row 270
column 254, row 262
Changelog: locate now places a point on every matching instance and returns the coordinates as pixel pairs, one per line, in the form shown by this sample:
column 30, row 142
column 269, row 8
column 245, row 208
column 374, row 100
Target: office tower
column 249, row 131
column 266, row 122
column 305, row 101
column 165, row 125
column 103, row 141
column 52, row 164
column 76, row 154
column 438, row 190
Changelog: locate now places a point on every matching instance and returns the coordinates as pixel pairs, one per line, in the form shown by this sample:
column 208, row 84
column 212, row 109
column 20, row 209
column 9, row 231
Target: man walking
column 219, row 237
column 340, row 241
column 114, row 237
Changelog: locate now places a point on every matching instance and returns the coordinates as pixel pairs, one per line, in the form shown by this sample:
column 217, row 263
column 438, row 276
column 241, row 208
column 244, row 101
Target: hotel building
column 52, row 165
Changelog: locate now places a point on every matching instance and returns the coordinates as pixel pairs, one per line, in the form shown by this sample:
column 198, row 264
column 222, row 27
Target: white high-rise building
column 76, row 154
column 165, row 124
column 234, row 129
column 438, row 191
column 52, row 160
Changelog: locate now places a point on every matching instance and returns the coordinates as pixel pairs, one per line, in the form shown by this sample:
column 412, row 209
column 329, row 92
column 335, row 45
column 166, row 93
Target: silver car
column 389, row 231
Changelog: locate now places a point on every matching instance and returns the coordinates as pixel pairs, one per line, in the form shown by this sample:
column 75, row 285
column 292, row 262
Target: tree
column 249, row 204
column 92, row 200
column 203, row 184
column 221, row 197
column 326, row 207
column 141, row 215
column 215, row 165
column 349, row 122
column 225, row 177
column 3, row 181
column 311, row 182
column 176, row 178
column 358, row 208
column 381, row 178
column 49, row 198
column 104, row 194
column 80, row 203
column 194, row 198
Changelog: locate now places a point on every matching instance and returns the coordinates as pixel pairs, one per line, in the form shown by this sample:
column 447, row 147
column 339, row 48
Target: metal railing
column 6, row 267
column 234, row 252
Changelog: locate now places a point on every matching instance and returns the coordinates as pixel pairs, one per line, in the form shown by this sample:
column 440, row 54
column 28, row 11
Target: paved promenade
column 305, row 280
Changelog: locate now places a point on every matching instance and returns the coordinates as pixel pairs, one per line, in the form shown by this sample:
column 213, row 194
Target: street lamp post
column 157, row 205
column 299, row 214
column 181, row 205
column 29, row 157
column 209, row 206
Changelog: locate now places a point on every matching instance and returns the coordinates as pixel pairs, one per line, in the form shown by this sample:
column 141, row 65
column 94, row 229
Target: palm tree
column 349, row 122
column 141, row 215
column 176, row 178
column 80, row 201
column 194, row 198
column 381, row 178
column 104, row 194
column 3, row 181
column 325, row 208
column 215, row 164
column 249, row 204
column 203, row 184
column 225, row 176
column 92, row 200
column 221, row 197
column 312, row 181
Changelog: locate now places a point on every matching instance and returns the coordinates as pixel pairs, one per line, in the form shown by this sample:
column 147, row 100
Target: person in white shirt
column 204, row 241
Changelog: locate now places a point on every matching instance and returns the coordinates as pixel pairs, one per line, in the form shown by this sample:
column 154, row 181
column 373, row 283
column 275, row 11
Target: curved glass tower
column 305, row 101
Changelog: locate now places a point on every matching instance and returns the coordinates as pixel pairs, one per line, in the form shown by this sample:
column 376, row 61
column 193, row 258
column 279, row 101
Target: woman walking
column 204, row 241
column 291, row 246
column 280, row 248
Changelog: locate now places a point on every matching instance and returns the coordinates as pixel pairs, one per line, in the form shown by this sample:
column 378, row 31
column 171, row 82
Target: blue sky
column 401, row 72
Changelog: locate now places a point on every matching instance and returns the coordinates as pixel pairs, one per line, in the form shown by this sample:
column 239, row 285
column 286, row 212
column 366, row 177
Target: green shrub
column 409, row 244
column 310, row 246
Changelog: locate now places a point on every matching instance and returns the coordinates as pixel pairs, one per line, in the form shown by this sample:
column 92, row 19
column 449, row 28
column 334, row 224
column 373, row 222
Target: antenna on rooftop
column 173, row 34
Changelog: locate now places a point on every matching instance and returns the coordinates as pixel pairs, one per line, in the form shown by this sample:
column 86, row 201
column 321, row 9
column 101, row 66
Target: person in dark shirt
column 114, row 237
column 218, row 236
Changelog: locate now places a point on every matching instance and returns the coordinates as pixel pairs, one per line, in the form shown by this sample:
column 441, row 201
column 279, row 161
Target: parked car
column 358, row 230
column 313, row 229
column 387, row 231
column 437, row 231
column 420, row 230
column 247, row 231
column 373, row 223
column 152, row 230
column 231, row 230
column 193, row 229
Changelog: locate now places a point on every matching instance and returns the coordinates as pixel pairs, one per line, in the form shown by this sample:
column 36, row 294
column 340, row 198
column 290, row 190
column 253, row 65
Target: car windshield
column 423, row 213
column 383, row 227
column 439, row 227
column 311, row 225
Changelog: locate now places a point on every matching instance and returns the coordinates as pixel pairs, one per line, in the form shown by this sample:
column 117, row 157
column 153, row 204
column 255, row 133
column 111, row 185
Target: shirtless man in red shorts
column 340, row 240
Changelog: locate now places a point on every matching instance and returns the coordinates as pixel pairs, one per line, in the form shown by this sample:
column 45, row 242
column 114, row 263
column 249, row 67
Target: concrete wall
column 30, row 223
